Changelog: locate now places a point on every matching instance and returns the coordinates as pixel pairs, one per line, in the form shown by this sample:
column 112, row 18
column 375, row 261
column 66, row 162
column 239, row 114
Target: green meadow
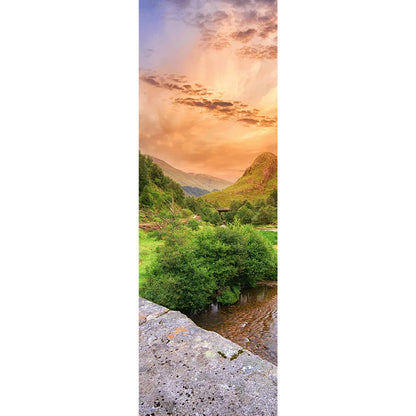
column 148, row 244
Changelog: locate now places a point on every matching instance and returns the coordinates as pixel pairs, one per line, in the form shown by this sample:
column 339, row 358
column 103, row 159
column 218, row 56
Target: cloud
column 199, row 97
column 258, row 52
column 175, row 82
column 248, row 120
column 151, row 81
column 227, row 110
column 224, row 23
column 244, row 35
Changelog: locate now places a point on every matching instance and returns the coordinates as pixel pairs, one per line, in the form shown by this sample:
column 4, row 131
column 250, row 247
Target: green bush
column 186, row 213
column 192, row 267
column 193, row 224
column 266, row 215
column 229, row 295
column 178, row 279
column 272, row 199
column 259, row 204
column 245, row 214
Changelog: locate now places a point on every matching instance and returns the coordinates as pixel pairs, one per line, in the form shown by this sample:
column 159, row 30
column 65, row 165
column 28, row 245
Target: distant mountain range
column 194, row 191
column 258, row 181
column 195, row 184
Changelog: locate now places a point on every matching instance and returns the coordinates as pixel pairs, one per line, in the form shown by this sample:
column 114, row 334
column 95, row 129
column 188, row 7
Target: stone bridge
column 187, row 371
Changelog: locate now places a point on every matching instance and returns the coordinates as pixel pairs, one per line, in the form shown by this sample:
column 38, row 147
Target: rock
column 188, row 371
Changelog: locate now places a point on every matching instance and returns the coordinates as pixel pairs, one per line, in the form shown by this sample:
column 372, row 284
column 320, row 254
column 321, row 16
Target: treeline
column 262, row 212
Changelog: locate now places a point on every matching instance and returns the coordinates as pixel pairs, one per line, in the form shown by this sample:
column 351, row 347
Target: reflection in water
column 251, row 322
column 214, row 308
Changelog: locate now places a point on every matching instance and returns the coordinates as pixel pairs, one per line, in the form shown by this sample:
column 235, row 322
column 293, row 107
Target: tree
column 259, row 204
column 245, row 214
column 235, row 205
column 265, row 215
column 143, row 172
column 272, row 199
column 145, row 197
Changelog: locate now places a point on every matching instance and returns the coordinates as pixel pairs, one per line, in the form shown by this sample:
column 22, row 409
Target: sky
column 208, row 83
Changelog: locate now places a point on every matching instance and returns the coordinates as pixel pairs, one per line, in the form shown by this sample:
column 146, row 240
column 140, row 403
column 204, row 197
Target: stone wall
column 188, row 371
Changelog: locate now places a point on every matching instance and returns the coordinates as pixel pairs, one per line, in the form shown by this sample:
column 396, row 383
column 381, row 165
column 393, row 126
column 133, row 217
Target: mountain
column 196, row 180
column 257, row 182
column 194, row 191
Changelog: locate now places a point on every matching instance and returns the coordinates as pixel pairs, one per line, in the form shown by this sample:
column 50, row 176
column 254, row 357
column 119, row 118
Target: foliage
column 245, row 214
column 178, row 279
column 143, row 173
column 272, row 199
column 186, row 213
column 235, row 205
column 260, row 203
column 193, row 224
column 229, row 295
column 259, row 214
column 192, row 267
column 271, row 236
column 156, row 190
column 148, row 244
column 265, row 215
column 204, row 209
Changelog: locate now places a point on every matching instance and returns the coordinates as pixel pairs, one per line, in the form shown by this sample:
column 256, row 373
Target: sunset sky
column 208, row 83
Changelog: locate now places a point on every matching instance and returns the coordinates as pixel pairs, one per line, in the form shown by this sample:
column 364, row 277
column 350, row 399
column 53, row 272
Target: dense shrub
column 178, row 279
column 265, row 215
column 245, row 214
column 229, row 295
column 203, row 208
column 262, row 213
column 194, row 267
column 193, row 224
column 259, row 204
column 272, row 199
column 186, row 213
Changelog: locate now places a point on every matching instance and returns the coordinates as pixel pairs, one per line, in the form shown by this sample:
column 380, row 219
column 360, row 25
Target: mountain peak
column 265, row 162
column 265, row 156
column 257, row 182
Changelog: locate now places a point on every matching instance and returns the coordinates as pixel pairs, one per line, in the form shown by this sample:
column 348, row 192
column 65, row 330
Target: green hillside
column 196, row 180
column 162, row 200
column 257, row 182
column 158, row 194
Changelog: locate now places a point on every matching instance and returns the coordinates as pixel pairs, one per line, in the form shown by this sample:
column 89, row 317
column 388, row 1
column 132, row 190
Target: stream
column 251, row 322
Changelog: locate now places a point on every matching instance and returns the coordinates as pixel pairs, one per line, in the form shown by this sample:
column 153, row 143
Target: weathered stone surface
column 188, row 371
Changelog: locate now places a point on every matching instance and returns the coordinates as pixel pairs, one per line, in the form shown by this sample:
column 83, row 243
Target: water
column 251, row 322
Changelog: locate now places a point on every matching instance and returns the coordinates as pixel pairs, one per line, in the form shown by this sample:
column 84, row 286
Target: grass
column 147, row 253
column 271, row 236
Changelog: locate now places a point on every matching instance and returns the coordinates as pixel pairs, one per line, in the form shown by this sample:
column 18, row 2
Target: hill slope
column 257, row 182
column 196, row 180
